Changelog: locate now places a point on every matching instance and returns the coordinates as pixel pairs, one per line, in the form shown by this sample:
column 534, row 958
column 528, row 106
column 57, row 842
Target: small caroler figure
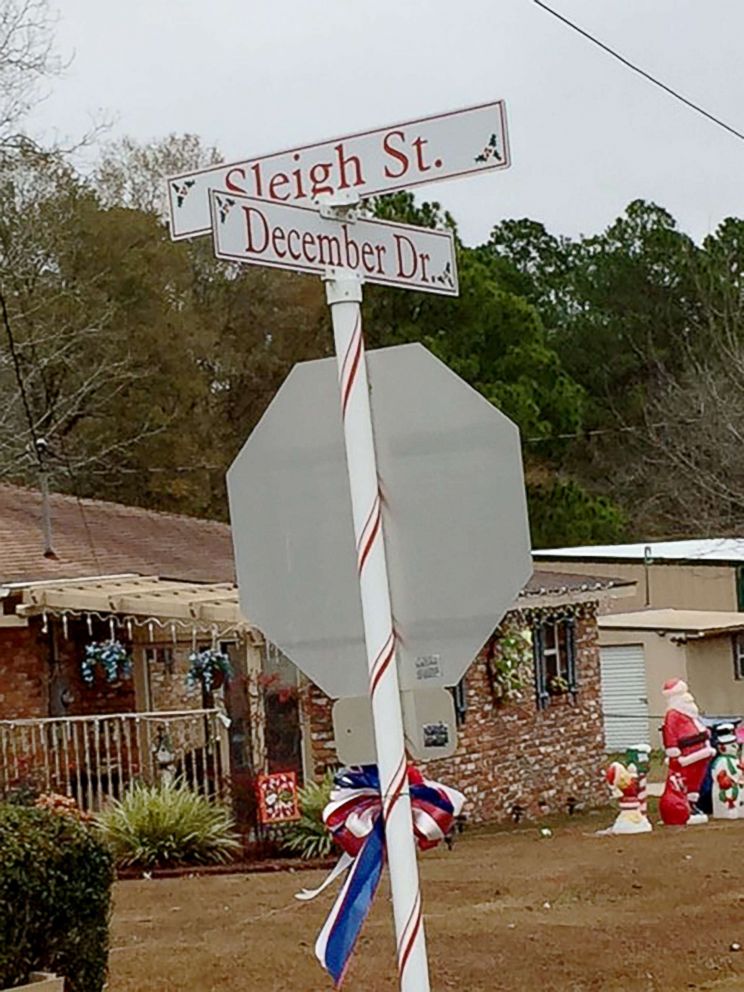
column 725, row 773
column 638, row 759
column 686, row 743
column 624, row 783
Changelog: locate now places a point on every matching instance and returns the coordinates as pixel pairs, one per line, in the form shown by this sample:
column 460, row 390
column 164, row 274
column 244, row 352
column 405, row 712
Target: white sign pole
column 344, row 295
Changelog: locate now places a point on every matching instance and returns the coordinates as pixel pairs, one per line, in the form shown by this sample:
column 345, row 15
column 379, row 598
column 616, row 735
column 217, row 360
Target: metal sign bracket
column 343, row 205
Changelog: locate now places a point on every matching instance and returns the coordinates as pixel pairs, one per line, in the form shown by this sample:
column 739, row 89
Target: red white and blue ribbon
column 354, row 817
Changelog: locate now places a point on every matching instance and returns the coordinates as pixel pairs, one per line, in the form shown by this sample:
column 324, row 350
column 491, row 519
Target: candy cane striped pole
column 344, row 295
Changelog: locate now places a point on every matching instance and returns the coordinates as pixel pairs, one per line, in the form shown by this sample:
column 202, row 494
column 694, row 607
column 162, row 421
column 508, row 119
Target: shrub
column 309, row 837
column 154, row 826
column 55, row 898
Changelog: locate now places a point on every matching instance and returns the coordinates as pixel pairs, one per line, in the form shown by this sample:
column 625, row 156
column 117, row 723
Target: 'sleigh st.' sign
column 262, row 232
column 380, row 161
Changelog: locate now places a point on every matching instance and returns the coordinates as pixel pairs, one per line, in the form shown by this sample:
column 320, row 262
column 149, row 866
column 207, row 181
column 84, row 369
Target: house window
column 161, row 656
column 738, row 643
column 554, row 647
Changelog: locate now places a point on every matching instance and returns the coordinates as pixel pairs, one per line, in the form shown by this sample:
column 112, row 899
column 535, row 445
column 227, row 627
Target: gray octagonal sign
column 454, row 517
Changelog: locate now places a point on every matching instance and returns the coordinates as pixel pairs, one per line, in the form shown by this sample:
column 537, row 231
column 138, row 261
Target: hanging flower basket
column 111, row 656
column 208, row 668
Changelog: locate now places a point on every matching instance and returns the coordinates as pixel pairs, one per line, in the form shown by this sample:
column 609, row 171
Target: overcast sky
column 587, row 135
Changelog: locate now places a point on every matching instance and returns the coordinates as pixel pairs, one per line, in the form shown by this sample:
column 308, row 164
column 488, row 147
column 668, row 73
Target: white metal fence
column 93, row 758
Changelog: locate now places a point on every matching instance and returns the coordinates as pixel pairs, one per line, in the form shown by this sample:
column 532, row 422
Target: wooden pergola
column 140, row 599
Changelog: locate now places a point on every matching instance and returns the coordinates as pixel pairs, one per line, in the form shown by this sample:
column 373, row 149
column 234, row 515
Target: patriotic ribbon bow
column 354, row 817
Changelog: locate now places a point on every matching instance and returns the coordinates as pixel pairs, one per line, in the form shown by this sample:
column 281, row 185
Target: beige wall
column 706, row 665
column 711, row 677
column 665, row 659
column 682, row 586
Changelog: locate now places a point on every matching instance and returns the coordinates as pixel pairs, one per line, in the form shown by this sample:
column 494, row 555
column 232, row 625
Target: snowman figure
column 725, row 773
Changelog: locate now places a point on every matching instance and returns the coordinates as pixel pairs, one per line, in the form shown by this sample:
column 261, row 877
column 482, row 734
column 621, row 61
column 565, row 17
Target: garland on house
column 509, row 660
column 111, row 656
column 530, row 616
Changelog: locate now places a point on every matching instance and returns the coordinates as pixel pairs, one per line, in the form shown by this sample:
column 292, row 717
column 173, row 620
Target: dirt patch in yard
column 507, row 910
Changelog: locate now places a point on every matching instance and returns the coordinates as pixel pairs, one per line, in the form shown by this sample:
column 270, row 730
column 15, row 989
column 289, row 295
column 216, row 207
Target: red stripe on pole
column 381, row 665
column 370, row 540
column 409, row 921
column 350, row 347
column 368, row 521
column 403, row 961
column 396, row 787
column 353, row 370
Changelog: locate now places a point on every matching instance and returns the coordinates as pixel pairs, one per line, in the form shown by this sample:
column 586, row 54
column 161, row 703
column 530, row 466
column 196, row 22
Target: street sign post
column 400, row 156
column 387, row 627
column 263, row 232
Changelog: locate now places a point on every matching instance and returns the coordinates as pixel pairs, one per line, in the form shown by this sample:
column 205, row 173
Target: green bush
column 55, row 898
column 154, row 826
column 309, row 837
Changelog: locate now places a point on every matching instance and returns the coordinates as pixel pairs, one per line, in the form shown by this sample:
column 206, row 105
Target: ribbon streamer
column 354, row 817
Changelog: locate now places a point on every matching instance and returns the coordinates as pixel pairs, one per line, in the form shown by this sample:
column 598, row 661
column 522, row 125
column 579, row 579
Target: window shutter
column 541, row 681
column 460, row 697
column 571, row 675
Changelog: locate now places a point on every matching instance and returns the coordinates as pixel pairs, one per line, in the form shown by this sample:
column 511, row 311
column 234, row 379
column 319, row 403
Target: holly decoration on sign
column 491, row 150
column 182, row 190
column 224, row 205
column 445, row 276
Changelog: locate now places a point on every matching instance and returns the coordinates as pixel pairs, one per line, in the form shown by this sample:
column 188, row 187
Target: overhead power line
column 641, row 72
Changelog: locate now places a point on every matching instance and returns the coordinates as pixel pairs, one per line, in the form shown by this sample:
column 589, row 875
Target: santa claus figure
column 686, row 743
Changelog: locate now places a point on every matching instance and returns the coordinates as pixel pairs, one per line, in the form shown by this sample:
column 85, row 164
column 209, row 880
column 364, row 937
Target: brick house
column 541, row 749
column 163, row 584
column 160, row 585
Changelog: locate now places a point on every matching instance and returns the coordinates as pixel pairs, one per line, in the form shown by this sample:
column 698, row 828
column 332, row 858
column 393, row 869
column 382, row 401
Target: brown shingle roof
column 91, row 537
column 94, row 538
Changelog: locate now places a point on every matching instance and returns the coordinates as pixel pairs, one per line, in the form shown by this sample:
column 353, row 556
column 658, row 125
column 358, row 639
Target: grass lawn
column 504, row 910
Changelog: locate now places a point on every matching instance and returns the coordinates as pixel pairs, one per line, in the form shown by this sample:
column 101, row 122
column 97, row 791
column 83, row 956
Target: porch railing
column 94, row 758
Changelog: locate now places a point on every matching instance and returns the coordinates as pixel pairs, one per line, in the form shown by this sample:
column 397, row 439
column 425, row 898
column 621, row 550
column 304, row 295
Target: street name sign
column 454, row 518
column 400, row 156
column 265, row 232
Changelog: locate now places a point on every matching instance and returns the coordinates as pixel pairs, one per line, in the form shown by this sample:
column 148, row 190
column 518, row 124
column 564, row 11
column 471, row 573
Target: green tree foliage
column 493, row 336
column 145, row 364
column 563, row 507
column 649, row 324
